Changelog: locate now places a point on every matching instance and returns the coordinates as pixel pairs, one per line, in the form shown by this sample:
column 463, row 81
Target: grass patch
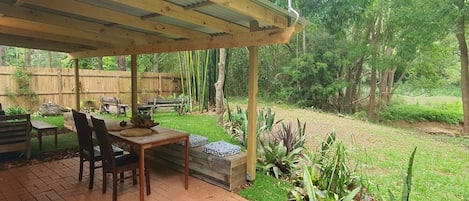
column 267, row 188
column 54, row 120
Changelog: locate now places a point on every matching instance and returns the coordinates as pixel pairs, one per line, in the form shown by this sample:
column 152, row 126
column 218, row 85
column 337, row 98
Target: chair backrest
column 104, row 143
column 84, row 132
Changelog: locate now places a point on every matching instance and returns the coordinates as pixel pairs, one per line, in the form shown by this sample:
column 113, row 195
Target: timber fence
column 58, row 85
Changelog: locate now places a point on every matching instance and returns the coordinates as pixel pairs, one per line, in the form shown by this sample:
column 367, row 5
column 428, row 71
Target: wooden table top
column 40, row 125
column 160, row 136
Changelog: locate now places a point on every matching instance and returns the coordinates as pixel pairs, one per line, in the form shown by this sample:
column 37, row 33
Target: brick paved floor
column 58, row 180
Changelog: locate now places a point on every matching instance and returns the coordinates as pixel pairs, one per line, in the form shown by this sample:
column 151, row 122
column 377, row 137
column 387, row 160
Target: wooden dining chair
column 88, row 151
column 115, row 165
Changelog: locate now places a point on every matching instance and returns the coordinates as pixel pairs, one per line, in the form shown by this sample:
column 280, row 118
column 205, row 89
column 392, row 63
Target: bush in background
column 445, row 113
column 15, row 111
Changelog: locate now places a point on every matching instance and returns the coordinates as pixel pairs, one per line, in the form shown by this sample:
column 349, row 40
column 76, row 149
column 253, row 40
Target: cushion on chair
column 195, row 141
column 126, row 159
column 221, row 149
column 117, row 150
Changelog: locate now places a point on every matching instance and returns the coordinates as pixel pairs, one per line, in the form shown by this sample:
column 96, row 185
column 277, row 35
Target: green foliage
column 279, row 153
column 274, row 159
column 15, row 110
column 328, row 177
column 445, row 113
column 237, row 125
column 407, row 180
column 23, row 81
column 194, row 69
column 291, row 138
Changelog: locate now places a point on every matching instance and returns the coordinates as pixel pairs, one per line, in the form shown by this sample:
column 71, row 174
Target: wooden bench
column 107, row 103
column 157, row 103
column 226, row 172
column 44, row 128
column 15, row 133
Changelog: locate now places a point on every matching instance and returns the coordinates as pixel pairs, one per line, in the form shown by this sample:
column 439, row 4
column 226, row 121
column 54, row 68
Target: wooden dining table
column 160, row 136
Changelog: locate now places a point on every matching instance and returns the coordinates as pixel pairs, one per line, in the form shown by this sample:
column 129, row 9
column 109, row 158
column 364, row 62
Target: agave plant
column 237, row 125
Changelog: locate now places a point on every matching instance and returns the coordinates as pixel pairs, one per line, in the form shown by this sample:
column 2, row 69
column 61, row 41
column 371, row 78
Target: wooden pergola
column 96, row 28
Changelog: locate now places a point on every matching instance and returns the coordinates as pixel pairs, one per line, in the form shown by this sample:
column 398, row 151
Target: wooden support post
column 77, row 85
column 133, row 70
column 252, row 108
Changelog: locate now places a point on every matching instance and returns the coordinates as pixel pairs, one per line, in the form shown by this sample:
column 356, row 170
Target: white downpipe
column 291, row 10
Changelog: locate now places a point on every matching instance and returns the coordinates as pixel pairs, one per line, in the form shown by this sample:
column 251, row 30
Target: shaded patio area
column 58, row 180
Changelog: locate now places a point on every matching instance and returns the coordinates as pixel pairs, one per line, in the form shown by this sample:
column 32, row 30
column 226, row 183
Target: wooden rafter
column 275, row 36
column 257, row 12
column 58, row 30
column 178, row 12
column 51, row 37
column 42, row 44
column 54, row 19
column 86, row 10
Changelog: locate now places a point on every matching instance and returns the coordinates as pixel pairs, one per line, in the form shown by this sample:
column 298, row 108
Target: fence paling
column 57, row 85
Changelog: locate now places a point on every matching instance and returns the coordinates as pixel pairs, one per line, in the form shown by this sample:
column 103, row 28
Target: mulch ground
column 42, row 157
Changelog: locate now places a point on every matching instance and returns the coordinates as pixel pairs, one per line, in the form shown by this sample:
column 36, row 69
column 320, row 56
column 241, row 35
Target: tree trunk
column 219, row 97
column 375, row 37
column 156, row 62
column 356, row 85
column 49, row 59
column 460, row 35
column 27, row 57
column 304, row 41
column 3, row 53
column 372, row 101
column 100, row 63
column 121, row 63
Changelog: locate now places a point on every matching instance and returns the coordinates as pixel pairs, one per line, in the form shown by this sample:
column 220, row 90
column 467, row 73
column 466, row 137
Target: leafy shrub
column 276, row 160
column 237, row 125
column 15, row 110
column 279, row 153
column 327, row 175
column 291, row 138
column 445, row 113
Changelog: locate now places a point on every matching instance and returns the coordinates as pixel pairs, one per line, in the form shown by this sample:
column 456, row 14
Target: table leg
column 141, row 175
column 39, row 138
column 55, row 138
column 186, row 165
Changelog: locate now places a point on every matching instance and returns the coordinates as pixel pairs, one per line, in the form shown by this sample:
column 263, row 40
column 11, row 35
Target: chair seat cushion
column 221, row 149
column 195, row 141
column 127, row 159
column 117, row 151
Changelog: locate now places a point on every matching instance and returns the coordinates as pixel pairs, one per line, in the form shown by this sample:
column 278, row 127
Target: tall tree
column 220, row 106
column 156, row 62
column 3, row 55
column 460, row 32
column 121, row 63
column 27, row 57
